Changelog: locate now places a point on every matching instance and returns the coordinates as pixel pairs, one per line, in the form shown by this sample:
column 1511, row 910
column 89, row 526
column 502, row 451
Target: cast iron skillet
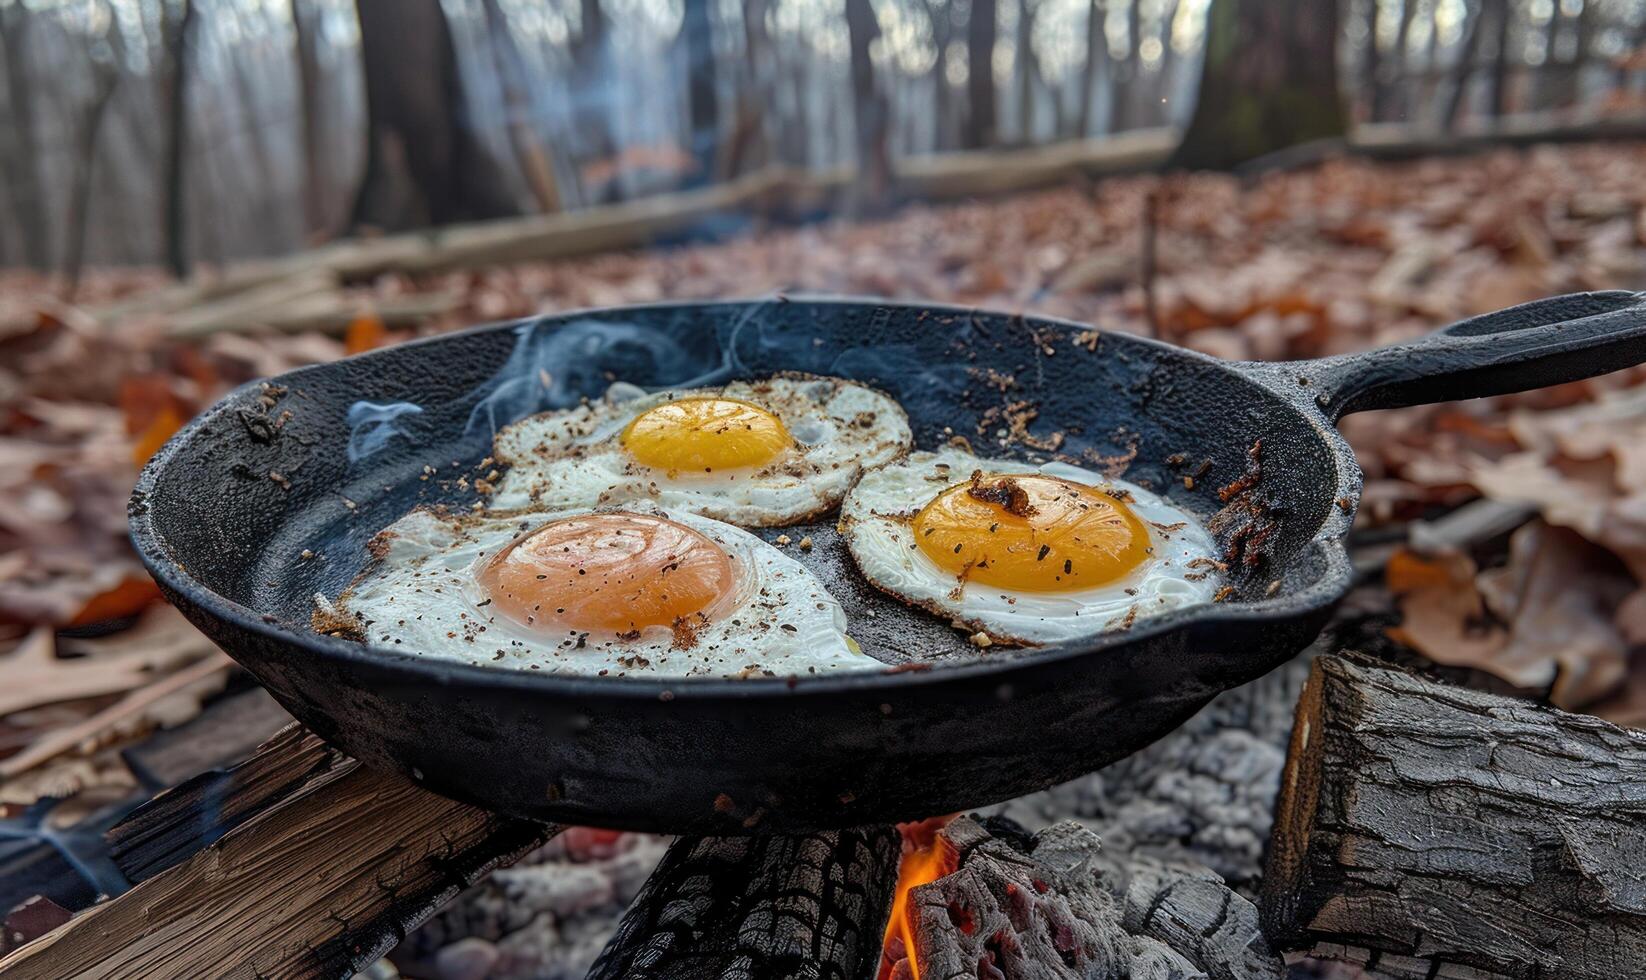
column 223, row 514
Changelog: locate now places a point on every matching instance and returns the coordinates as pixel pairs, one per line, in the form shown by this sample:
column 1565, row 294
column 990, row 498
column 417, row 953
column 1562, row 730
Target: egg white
column 562, row 460
column 875, row 520
column 419, row 595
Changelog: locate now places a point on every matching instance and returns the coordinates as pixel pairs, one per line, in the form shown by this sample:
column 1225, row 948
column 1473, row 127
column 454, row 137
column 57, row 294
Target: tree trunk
column 534, row 163
column 980, row 94
column 1269, row 82
column 751, row 907
column 309, row 96
column 872, row 114
column 1371, row 65
column 1025, row 71
column 1384, row 97
column 1461, row 828
column 748, row 146
column 105, row 76
column 1465, row 67
column 177, row 39
column 1123, row 87
column 414, row 104
column 1097, row 52
column 1497, row 98
column 22, row 157
column 702, row 100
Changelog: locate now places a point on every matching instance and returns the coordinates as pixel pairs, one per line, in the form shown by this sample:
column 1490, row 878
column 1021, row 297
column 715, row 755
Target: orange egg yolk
column 613, row 573
column 704, row 435
column 1031, row 533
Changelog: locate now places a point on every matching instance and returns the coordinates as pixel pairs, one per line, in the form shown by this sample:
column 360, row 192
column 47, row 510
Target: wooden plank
column 325, row 881
column 174, row 825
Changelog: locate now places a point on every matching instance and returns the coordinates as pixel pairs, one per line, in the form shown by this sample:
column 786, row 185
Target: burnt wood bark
column 336, row 864
column 1269, row 82
column 757, row 907
column 1057, row 906
column 1434, row 829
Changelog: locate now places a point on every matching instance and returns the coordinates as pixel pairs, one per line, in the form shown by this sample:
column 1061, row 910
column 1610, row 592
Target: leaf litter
column 1340, row 257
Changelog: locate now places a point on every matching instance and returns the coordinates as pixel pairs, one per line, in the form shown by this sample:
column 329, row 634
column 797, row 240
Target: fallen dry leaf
column 36, row 673
column 365, row 332
column 1543, row 622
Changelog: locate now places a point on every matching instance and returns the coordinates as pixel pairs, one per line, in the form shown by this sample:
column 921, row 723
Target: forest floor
column 1341, row 257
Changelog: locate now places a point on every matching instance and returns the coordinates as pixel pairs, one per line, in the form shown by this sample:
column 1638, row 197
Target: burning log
column 809, row 905
column 1447, row 832
column 1054, row 906
column 326, row 866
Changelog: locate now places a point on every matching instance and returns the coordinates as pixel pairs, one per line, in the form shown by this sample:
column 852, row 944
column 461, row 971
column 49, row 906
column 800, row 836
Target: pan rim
column 1333, row 583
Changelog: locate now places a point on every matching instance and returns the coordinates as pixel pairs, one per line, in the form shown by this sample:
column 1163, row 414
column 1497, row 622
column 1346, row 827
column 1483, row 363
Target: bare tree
column 592, row 107
column 414, row 105
column 309, row 96
column 177, row 43
column 517, row 108
column 1269, row 82
column 1394, row 69
column 747, row 145
column 20, row 143
column 702, row 99
column 1163, row 72
column 1498, row 88
column 980, row 95
column 1467, row 52
column 1124, row 81
column 872, row 189
column 1097, row 53
column 1571, row 41
column 1028, row 68
column 940, row 15
column 105, row 55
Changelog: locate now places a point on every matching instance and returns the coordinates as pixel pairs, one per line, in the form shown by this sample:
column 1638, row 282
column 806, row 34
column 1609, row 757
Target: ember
column 927, row 856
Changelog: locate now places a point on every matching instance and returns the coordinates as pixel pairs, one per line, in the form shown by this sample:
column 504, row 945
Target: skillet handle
column 1545, row 342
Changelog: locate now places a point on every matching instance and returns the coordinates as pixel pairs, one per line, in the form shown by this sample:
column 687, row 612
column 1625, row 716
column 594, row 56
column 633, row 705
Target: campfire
column 927, row 856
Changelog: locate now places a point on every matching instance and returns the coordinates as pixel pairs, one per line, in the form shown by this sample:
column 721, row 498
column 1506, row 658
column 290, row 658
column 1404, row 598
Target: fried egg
column 637, row 592
column 1025, row 553
column 759, row 454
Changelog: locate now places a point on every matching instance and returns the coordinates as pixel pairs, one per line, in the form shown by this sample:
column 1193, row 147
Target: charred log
column 1436, row 829
column 812, row 905
column 1056, row 906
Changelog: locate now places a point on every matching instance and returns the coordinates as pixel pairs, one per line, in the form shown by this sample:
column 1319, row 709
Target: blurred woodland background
column 180, row 132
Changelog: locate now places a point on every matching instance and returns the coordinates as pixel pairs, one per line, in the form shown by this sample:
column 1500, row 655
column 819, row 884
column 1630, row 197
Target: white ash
column 544, row 918
column 1203, row 794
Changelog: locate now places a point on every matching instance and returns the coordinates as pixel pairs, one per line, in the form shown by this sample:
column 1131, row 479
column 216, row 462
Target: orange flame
column 927, row 856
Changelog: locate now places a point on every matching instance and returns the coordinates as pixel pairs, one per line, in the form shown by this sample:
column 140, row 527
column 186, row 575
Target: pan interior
column 271, row 498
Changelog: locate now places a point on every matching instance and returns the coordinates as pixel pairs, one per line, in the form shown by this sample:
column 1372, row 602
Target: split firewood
column 318, row 884
column 1055, row 906
column 750, row 907
column 1445, row 832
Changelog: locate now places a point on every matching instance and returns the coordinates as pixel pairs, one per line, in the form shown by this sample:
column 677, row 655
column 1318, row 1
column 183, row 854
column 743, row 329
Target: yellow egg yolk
column 613, row 573
column 1031, row 533
column 705, row 434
